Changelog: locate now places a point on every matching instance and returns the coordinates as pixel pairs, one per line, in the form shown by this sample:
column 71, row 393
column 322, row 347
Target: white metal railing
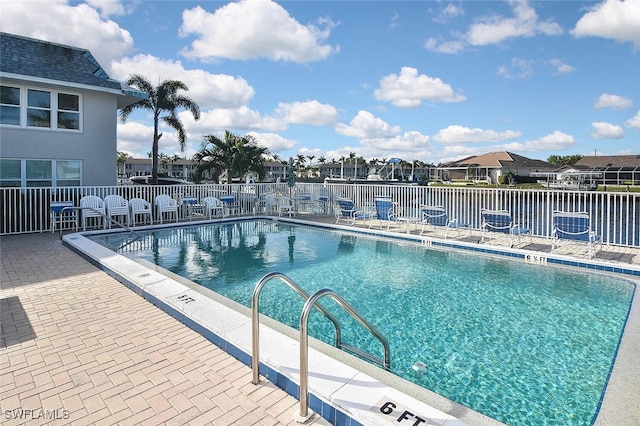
column 615, row 215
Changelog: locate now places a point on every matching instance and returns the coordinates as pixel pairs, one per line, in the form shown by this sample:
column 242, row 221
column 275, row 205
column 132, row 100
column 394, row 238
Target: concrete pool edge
column 160, row 290
column 344, row 391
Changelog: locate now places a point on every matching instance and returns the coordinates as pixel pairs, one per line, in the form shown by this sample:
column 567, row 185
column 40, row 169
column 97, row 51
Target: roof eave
column 126, row 95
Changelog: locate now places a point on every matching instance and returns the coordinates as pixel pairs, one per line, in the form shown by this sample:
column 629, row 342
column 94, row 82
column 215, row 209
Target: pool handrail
column 311, row 302
column 255, row 319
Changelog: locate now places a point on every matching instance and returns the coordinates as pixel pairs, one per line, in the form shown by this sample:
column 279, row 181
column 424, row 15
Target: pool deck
column 78, row 347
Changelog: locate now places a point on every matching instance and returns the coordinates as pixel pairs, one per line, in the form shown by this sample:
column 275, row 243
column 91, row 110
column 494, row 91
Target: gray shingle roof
column 42, row 59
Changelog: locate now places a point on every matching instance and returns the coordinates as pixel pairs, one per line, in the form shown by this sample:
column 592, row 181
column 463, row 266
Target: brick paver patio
column 77, row 347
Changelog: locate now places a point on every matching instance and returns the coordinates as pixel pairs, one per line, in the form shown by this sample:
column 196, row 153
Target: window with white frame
column 10, row 105
column 10, row 173
column 39, row 173
column 68, row 111
column 38, row 108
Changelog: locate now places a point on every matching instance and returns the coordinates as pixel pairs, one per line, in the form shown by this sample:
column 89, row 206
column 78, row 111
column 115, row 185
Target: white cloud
column 561, row 67
column 366, row 126
column 612, row 19
column 440, row 46
column 604, row 130
column 496, row 29
column 556, row 141
column 242, row 118
column 633, row 122
column 208, row 90
column 109, row 7
column 274, row 142
column 407, row 143
column 456, row 134
column 448, row 12
column 58, row 22
column 308, row 112
column 408, row 89
column 613, row 101
column 134, row 137
column 519, row 68
column 251, row 29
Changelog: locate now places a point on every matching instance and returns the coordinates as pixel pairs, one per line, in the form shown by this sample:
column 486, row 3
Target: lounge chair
column 115, row 207
column 140, row 207
column 346, row 211
column 573, row 226
column 436, row 217
column 496, row 222
column 165, row 204
column 213, row 207
column 385, row 213
column 92, row 206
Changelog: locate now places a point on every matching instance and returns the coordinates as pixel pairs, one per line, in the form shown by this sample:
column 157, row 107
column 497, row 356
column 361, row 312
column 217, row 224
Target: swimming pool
column 520, row 343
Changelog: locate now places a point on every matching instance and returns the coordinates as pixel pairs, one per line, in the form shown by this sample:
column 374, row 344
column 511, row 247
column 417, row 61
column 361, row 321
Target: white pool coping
column 347, row 383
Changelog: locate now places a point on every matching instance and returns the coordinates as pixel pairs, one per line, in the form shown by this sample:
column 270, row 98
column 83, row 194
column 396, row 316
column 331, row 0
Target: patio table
column 58, row 216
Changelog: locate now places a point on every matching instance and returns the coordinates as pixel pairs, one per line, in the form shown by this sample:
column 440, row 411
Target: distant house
column 613, row 169
column 58, row 115
column 185, row 169
column 489, row 167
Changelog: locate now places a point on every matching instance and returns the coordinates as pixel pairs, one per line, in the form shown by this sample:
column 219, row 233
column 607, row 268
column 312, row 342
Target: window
column 30, row 107
column 67, row 173
column 10, row 105
column 40, row 173
column 68, row 111
column 38, row 108
column 10, row 173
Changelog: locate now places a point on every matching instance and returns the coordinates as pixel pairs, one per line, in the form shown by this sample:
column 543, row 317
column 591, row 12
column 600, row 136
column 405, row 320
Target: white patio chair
column 165, row 204
column 213, row 207
column 92, row 206
column 285, row 205
column 270, row 203
column 116, row 207
column 140, row 207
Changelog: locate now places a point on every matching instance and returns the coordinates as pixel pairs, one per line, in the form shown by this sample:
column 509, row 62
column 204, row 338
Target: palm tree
column 311, row 157
column 300, row 162
column 163, row 159
column 121, row 159
column 235, row 154
column 163, row 99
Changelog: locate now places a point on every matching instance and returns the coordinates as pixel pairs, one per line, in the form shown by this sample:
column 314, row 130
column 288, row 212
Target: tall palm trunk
column 154, row 149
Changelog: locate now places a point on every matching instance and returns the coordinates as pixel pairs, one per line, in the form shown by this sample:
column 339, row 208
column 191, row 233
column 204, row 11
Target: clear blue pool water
column 524, row 344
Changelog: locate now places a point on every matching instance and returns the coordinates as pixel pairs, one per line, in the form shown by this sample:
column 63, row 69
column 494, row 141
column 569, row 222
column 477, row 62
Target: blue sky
column 420, row 80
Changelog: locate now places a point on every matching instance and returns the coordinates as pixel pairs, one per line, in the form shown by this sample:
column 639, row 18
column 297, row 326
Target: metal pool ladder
column 310, row 302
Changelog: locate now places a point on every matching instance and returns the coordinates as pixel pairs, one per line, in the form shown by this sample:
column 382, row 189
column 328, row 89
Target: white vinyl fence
column 615, row 215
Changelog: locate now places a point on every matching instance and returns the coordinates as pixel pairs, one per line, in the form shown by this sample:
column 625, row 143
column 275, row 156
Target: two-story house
column 58, row 115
